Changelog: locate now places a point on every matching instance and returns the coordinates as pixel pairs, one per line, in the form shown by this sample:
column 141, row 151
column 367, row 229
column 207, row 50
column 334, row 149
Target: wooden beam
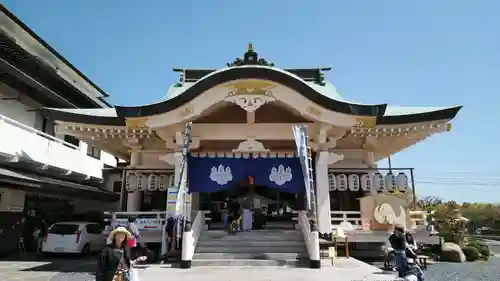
column 260, row 131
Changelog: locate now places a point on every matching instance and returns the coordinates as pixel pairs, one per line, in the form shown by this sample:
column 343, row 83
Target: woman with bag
column 114, row 263
column 134, row 242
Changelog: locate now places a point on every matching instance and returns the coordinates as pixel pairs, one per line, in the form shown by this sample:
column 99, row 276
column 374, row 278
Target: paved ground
column 78, row 269
column 45, row 269
column 343, row 272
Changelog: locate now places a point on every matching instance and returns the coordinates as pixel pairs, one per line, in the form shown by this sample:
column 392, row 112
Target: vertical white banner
column 300, row 136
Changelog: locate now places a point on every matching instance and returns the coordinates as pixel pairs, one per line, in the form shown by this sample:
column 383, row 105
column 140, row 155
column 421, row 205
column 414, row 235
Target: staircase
column 270, row 247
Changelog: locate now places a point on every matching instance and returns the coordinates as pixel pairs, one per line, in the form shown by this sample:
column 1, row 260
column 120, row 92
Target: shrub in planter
column 485, row 252
column 483, row 249
column 471, row 253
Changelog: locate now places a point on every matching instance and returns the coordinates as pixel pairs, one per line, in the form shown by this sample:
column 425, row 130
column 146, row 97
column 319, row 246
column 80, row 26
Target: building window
column 93, row 152
column 48, row 126
column 117, row 187
column 74, row 141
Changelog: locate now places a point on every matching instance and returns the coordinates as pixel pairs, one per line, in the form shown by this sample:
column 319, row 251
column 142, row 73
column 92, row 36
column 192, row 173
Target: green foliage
column 447, row 221
column 471, row 253
column 481, row 215
column 482, row 248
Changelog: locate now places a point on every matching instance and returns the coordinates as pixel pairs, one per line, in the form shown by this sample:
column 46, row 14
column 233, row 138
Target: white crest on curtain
column 280, row 175
column 221, row 175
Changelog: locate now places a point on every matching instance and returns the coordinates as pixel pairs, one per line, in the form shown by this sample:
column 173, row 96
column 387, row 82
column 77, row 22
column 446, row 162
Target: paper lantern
column 390, row 182
column 142, row 182
column 366, row 182
column 378, row 182
column 402, row 182
column 353, row 180
column 131, row 182
column 152, row 182
column 163, row 182
column 341, row 182
column 332, row 182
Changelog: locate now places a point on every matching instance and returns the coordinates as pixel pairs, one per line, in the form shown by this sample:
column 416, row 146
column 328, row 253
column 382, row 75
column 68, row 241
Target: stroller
column 414, row 272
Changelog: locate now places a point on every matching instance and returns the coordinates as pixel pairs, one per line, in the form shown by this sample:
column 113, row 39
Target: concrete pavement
column 342, row 270
column 45, row 269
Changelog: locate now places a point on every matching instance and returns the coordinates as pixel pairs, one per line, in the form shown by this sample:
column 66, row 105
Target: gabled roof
column 308, row 82
column 324, row 95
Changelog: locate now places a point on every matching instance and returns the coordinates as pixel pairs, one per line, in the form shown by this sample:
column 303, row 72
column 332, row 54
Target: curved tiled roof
column 280, row 76
column 324, row 95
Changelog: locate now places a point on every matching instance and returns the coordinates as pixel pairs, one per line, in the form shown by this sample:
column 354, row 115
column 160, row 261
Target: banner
column 279, row 173
column 214, row 174
column 182, row 182
column 300, row 136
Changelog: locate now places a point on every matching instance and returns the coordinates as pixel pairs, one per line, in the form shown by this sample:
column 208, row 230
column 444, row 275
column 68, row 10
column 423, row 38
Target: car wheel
column 86, row 250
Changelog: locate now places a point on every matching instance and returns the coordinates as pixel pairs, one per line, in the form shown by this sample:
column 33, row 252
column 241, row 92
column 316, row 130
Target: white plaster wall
column 109, row 180
column 106, row 158
column 15, row 109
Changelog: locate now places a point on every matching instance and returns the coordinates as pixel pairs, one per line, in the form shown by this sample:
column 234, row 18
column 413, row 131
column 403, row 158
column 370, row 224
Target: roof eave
column 443, row 114
column 52, row 50
column 70, row 117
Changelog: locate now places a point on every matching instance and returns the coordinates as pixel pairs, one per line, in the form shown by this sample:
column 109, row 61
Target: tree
column 481, row 215
column 429, row 203
column 447, row 219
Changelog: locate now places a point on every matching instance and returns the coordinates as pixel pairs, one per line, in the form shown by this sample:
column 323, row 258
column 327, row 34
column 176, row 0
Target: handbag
column 132, row 242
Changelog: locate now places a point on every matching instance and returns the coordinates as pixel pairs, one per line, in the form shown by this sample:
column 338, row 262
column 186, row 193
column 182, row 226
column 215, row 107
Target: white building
column 42, row 171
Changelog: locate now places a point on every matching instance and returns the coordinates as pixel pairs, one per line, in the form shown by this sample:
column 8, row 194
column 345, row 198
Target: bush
column 471, row 253
column 483, row 249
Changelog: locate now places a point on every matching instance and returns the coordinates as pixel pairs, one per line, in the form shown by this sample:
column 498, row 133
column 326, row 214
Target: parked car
column 74, row 238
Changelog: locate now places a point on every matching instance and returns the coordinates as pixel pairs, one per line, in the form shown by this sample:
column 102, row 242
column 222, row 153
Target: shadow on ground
column 55, row 263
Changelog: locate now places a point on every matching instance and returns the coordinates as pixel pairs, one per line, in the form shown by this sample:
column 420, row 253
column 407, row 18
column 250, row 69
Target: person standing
column 398, row 244
column 115, row 262
column 247, row 214
column 134, row 231
column 225, row 212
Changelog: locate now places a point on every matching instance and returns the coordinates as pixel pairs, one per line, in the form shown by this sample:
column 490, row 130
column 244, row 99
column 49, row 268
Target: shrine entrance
column 269, row 187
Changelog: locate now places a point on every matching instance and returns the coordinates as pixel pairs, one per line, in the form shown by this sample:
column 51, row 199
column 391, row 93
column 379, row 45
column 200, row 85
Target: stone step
column 252, row 235
column 251, row 238
column 251, row 249
column 248, row 262
column 249, row 243
column 249, row 256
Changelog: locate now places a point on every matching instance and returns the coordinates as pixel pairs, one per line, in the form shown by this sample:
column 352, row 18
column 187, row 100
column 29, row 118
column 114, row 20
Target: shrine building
column 241, row 137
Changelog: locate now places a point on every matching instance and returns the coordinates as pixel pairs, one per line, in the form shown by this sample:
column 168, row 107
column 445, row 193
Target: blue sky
column 420, row 53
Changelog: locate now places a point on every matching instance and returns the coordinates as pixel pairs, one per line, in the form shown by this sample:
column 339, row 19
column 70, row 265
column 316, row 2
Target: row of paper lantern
column 148, row 182
column 378, row 182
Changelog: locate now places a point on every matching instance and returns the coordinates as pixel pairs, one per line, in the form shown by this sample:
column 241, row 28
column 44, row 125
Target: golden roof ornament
column 250, row 58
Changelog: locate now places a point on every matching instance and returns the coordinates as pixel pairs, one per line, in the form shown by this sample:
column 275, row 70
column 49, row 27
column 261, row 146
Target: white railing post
column 314, row 255
column 187, row 245
column 190, row 238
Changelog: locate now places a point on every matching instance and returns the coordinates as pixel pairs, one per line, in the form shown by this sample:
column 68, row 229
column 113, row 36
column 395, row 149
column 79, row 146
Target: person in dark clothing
column 398, row 244
column 402, row 251
column 114, row 262
column 169, row 228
